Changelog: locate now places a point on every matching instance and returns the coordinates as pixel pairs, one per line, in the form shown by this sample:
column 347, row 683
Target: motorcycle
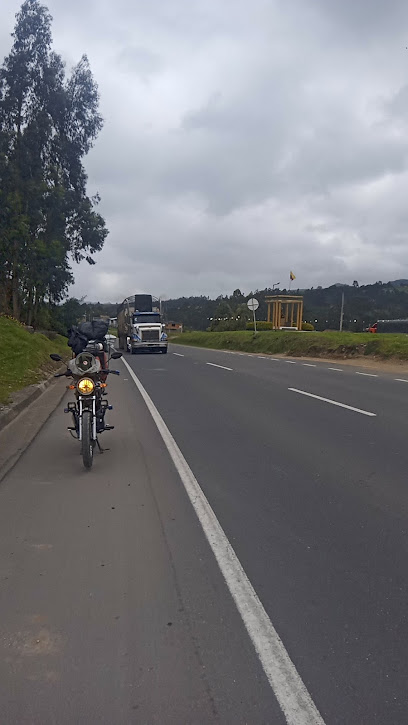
column 89, row 408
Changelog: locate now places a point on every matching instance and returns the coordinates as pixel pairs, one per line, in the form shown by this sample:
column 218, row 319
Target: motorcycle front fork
column 98, row 417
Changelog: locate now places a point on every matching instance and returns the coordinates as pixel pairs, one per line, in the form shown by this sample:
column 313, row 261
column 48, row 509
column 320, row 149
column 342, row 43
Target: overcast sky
column 242, row 139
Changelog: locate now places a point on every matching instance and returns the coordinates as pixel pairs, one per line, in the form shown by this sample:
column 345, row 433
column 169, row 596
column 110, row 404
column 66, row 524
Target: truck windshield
column 146, row 317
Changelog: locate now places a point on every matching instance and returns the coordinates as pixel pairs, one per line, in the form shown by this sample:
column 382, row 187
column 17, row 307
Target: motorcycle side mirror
column 116, row 355
column 54, row 356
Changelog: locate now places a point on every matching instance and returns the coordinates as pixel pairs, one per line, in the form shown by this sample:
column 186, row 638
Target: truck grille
column 150, row 335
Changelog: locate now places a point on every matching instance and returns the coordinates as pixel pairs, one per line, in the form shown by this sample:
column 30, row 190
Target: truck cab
column 147, row 333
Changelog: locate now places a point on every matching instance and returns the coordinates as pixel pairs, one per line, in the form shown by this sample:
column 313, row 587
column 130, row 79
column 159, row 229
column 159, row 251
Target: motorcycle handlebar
column 68, row 373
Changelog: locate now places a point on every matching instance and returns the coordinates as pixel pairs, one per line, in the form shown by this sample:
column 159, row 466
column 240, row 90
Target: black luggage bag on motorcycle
column 79, row 336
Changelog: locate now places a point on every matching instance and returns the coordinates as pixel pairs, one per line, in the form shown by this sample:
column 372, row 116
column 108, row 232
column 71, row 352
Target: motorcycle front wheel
column 87, row 442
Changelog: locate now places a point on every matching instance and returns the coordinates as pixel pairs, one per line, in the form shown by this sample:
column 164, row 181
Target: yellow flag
column 292, row 276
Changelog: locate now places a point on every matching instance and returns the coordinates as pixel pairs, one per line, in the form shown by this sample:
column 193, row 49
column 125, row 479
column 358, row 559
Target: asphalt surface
column 114, row 609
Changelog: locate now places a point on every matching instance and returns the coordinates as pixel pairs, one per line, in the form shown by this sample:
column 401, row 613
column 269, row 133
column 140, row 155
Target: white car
column 111, row 339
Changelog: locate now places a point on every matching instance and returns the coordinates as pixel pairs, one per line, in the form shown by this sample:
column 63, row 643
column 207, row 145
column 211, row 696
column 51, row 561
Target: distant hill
column 363, row 305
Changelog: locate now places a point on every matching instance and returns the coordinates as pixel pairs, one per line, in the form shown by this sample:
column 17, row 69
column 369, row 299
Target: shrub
column 307, row 327
column 260, row 326
column 227, row 325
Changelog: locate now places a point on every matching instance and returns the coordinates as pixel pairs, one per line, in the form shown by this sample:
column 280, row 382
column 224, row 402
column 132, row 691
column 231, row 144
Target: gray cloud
column 243, row 139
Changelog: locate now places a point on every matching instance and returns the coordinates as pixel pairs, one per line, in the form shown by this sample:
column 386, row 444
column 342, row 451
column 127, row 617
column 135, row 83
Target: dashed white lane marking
column 334, row 402
column 284, row 679
column 401, row 380
column 337, row 370
column 367, row 375
column 308, row 365
column 178, row 354
column 291, row 362
column 218, row 366
column 261, row 357
column 275, row 359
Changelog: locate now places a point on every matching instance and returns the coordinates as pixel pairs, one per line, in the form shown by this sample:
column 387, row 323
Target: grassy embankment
column 24, row 357
column 303, row 344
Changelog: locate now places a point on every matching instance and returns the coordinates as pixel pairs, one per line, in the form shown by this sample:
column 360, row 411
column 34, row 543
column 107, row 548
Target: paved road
column 114, row 608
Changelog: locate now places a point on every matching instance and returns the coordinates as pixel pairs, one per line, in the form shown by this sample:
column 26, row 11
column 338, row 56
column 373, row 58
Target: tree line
column 49, row 120
column 363, row 305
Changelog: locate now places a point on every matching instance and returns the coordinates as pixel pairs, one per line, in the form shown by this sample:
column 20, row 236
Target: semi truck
column 140, row 325
column 389, row 326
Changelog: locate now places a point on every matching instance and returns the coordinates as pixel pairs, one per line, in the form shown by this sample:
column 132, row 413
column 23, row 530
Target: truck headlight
column 86, row 386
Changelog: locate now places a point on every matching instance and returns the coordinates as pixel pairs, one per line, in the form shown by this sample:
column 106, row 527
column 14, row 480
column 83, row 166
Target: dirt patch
column 41, row 643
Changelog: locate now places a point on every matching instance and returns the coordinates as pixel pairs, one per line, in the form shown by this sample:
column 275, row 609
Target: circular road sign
column 253, row 304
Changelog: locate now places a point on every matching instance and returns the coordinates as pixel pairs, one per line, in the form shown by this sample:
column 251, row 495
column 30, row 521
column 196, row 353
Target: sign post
column 253, row 305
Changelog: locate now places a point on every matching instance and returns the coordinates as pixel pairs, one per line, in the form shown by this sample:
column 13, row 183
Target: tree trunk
column 30, row 298
column 15, row 296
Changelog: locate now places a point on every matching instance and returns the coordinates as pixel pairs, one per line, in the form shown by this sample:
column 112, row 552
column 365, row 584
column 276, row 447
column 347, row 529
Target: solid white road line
column 401, row 380
column 178, row 354
column 368, row 375
column 308, row 365
column 287, row 685
column 334, row 402
column 337, row 370
column 218, row 366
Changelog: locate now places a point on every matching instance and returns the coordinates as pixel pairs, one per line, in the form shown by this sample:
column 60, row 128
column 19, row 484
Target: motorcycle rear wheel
column 87, row 442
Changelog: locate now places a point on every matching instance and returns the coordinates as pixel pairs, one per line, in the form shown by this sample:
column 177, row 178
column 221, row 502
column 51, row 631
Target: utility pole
column 342, row 312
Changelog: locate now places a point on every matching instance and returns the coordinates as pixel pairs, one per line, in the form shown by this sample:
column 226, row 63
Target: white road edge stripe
column 218, row 366
column 368, row 375
column 290, row 691
column 178, row 354
column 334, row 402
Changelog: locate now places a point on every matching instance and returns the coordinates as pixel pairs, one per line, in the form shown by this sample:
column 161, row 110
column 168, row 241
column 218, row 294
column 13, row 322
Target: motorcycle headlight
column 86, row 386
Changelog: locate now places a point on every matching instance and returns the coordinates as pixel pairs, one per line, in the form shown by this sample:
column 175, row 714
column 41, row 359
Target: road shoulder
column 33, row 410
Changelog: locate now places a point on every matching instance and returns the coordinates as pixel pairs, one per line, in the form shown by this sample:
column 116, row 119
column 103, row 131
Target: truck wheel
column 164, row 351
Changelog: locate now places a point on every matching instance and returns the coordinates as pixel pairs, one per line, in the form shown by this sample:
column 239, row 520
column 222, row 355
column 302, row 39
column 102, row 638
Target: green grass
column 24, row 357
column 303, row 344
